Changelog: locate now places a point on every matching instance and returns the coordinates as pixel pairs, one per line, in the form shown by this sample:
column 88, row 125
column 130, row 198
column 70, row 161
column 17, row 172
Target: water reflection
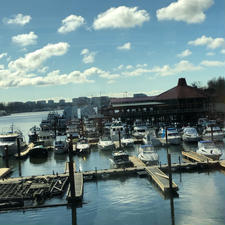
column 36, row 160
column 74, row 214
column 172, row 210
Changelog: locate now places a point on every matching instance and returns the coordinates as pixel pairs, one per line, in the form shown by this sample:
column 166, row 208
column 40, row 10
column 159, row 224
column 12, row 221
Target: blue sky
column 63, row 49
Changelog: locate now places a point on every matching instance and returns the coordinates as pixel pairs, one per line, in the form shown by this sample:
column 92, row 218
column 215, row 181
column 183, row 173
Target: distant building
column 62, row 102
column 139, row 95
column 51, row 102
column 41, row 102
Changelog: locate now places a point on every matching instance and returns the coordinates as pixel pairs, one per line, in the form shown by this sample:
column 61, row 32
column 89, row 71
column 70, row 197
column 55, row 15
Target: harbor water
column 122, row 200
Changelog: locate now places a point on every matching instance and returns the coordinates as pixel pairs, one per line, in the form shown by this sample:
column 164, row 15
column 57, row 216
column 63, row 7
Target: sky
column 66, row 49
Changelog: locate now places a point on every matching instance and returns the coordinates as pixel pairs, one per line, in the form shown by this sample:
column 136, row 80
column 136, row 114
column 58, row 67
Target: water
column 124, row 200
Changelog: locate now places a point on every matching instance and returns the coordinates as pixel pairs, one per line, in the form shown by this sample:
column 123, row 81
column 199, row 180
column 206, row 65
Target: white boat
column 33, row 133
column 173, row 137
column 148, row 155
column 117, row 130
column 151, row 138
column 60, row 144
column 105, row 143
column 209, row 149
column 214, row 132
column 127, row 141
column 121, row 158
column 82, row 146
column 10, row 139
column 139, row 132
column 190, row 134
column 47, row 137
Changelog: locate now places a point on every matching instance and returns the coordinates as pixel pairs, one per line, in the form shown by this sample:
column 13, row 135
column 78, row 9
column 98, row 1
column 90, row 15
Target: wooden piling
column 71, row 171
column 18, row 147
column 6, row 156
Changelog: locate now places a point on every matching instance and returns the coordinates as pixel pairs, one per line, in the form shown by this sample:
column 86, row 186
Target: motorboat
column 173, row 137
column 127, row 141
column 151, row 138
column 117, row 130
column 209, row 149
column 213, row 132
column 190, row 134
column 82, row 146
column 139, row 132
column 148, row 155
column 47, row 137
column 60, row 144
column 105, row 143
column 38, row 151
column 33, row 134
column 121, row 158
column 9, row 139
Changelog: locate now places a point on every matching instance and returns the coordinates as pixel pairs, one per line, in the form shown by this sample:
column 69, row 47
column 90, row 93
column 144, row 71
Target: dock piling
column 18, row 147
column 6, row 156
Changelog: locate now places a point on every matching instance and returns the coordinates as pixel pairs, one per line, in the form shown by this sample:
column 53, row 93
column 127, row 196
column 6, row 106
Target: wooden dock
column 4, row 172
column 79, row 187
column 26, row 151
column 194, row 156
column 67, row 167
column 160, row 178
column 136, row 161
column 222, row 164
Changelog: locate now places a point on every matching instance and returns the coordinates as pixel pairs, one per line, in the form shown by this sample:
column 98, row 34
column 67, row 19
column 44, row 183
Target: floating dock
column 194, row 156
column 222, row 164
column 161, row 179
column 79, row 187
column 4, row 172
column 26, row 152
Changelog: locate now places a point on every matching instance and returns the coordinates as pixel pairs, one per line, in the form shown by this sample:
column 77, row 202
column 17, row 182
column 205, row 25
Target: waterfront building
column 181, row 103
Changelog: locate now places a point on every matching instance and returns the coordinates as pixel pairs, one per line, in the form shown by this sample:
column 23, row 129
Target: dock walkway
column 160, row 178
column 4, row 172
column 194, row 156
column 26, row 152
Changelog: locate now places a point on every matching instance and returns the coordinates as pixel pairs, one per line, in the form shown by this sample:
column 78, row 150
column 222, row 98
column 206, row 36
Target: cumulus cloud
column 3, row 55
column 121, row 17
column 34, row 60
column 25, row 39
column 185, row 53
column 71, row 23
column 88, row 57
column 189, row 11
column 18, row 19
column 182, row 66
column 209, row 42
column 210, row 53
column 209, row 63
column 136, row 72
column 2, row 67
column 126, row 46
column 223, row 51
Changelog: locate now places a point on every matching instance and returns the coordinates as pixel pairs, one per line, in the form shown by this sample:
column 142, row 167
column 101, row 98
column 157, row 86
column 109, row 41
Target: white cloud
column 209, row 42
column 182, row 66
column 129, row 67
column 120, row 67
column 71, row 23
column 25, row 39
column 88, row 57
column 141, row 65
column 121, row 17
column 3, row 55
column 213, row 63
column 210, row 53
column 189, row 11
column 18, row 19
column 2, row 67
column 136, row 72
column 34, row 60
column 223, row 51
column 185, row 53
column 126, row 46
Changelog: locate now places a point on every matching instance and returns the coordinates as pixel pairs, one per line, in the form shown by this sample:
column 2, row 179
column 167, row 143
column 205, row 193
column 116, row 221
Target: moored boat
column 105, row 143
column 190, row 134
column 60, row 144
column 148, row 155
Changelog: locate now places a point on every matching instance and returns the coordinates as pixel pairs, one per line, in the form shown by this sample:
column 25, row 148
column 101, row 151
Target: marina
column 41, row 191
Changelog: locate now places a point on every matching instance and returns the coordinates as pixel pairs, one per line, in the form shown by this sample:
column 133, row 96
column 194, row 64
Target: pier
column 193, row 156
column 4, row 172
column 26, row 151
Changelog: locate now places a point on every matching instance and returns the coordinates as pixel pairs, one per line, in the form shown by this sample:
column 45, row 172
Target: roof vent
column 182, row 82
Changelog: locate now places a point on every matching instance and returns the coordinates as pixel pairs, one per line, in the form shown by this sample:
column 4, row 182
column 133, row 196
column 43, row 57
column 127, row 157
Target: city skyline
column 63, row 50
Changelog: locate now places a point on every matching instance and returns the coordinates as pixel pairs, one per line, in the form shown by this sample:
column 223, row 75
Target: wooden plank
column 4, row 172
column 79, row 186
column 160, row 178
column 26, row 151
column 196, row 157
column 222, row 163
column 67, row 167
column 136, row 161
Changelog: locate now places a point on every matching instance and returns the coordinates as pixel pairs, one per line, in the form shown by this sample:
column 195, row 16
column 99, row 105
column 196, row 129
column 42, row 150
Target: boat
column 82, row 146
column 10, row 139
column 47, row 137
column 127, row 141
column 33, row 134
column 148, row 155
column 105, row 143
column 190, row 134
column 213, row 132
column 209, row 149
column 173, row 137
column 38, row 151
column 60, row 144
column 151, row 138
column 139, row 132
column 121, row 158
column 117, row 130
